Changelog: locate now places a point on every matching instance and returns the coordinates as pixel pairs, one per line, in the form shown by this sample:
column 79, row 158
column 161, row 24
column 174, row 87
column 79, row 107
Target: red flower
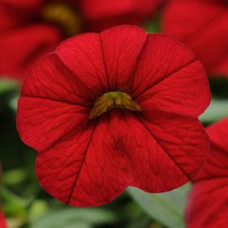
column 2, row 220
column 207, row 206
column 31, row 28
column 202, row 25
column 151, row 139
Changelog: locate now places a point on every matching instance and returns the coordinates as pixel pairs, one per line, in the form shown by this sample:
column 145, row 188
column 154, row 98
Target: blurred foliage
column 167, row 208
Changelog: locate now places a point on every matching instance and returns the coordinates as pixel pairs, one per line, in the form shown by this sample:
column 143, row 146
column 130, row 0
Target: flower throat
column 111, row 100
column 63, row 15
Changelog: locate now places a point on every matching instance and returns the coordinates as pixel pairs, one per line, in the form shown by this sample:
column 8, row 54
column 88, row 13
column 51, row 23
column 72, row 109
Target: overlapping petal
column 207, row 203
column 169, row 78
column 94, row 169
column 122, row 48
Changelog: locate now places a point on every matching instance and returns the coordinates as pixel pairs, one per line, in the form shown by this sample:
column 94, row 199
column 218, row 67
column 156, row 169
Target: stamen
column 111, row 100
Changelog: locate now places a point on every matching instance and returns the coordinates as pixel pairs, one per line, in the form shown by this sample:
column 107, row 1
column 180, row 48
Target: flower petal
column 9, row 18
column 218, row 133
column 207, row 204
column 122, row 46
column 2, row 219
column 42, row 122
column 50, row 79
column 82, row 54
column 205, row 34
column 22, row 46
column 89, row 168
column 94, row 166
column 173, row 81
column 176, row 154
column 161, row 57
column 216, row 164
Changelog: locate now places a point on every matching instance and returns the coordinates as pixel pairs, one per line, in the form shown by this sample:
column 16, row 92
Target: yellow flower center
column 111, row 100
column 62, row 15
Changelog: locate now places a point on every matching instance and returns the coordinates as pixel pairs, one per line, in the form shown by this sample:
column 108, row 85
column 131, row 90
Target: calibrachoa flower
column 208, row 201
column 202, row 25
column 29, row 29
column 105, row 111
column 2, row 220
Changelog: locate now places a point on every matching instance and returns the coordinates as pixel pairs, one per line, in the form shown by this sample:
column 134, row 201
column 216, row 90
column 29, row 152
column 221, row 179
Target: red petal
column 50, row 79
column 171, row 81
column 2, row 220
column 20, row 47
column 184, row 92
column 89, row 168
column 83, row 56
column 50, row 104
column 161, row 57
column 9, row 18
column 42, row 122
column 185, row 147
column 205, row 34
column 207, row 204
column 218, row 133
column 93, row 166
column 216, row 164
column 122, row 46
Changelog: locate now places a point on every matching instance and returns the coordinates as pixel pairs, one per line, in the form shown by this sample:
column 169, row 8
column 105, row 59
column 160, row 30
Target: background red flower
column 88, row 162
column 202, row 25
column 108, row 13
column 2, row 220
column 29, row 29
column 208, row 200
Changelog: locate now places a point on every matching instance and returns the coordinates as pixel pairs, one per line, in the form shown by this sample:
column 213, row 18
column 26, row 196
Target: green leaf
column 37, row 210
column 153, row 26
column 13, row 102
column 13, row 205
column 167, row 208
column 15, row 176
column 7, row 85
column 217, row 110
column 74, row 217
